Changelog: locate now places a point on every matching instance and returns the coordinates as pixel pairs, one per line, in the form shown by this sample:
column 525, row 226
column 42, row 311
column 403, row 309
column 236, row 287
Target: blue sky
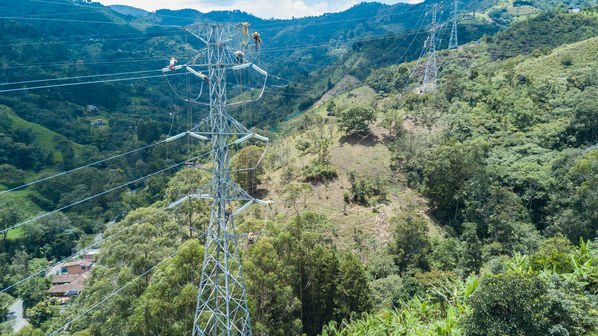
column 262, row 8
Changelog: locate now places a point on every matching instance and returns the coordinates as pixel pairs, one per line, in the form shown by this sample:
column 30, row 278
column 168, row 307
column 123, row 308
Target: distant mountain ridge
column 129, row 10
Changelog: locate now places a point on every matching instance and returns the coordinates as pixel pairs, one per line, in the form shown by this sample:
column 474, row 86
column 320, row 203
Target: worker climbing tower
column 454, row 42
column 221, row 302
column 431, row 72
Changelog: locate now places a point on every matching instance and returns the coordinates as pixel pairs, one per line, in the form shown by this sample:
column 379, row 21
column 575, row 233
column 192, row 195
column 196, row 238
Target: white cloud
column 282, row 9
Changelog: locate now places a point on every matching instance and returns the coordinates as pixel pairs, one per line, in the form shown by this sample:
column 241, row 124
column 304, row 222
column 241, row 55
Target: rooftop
column 78, row 263
column 72, row 288
column 65, row 278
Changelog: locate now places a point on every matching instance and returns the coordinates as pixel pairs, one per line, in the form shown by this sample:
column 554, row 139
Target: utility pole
column 222, row 300
column 431, row 73
column 454, row 42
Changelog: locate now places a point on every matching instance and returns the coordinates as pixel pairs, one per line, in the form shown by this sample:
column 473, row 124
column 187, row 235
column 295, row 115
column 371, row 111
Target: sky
column 280, row 9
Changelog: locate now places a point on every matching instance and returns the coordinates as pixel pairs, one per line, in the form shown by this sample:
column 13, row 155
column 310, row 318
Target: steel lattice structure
column 454, row 42
column 431, row 72
column 222, row 301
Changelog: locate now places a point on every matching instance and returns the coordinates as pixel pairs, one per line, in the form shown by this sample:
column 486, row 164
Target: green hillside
column 470, row 209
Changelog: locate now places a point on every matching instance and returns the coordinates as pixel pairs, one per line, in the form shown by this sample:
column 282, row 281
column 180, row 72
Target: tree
column 42, row 312
column 296, row 193
column 11, row 176
column 446, row 171
column 9, row 216
column 331, row 108
column 247, row 160
column 5, row 301
column 357, row 119
column 508, row 304
column 472, row 249
column 193, row 212
column 325, row 289
column 148, row 132
column 411, row 244
column 320, row 170
column 167, row 305
column 66, row 151
column 446, row 254
column 52, row 236
column 275, row 310
column 353, row 292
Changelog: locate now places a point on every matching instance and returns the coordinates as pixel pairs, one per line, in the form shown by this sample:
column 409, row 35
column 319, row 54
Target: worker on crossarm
column 251, row 238
column 172, row 63
column 239, row 56
column 258, row 40
column 227, row 213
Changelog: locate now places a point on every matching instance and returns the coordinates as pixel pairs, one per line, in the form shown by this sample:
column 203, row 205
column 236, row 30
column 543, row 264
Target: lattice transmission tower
column 431, row 72
column 454, row 41
column 222, row 301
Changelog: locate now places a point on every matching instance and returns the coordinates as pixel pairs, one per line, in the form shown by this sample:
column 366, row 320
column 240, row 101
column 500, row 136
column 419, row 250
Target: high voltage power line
column 84, row 83
column 213, row 296
column 96, row 195
column 63, row 327
column 95, row 244
column 84, row 166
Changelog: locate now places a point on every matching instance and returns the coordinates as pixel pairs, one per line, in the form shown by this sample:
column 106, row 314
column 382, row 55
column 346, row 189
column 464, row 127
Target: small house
column 574, row 10
column 90, row 254
column 97, row 122
column 77, row 267
column 92, row 108
column 66, row 286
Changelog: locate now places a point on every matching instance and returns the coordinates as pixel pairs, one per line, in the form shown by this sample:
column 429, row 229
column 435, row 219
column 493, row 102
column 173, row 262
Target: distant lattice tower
column 454, row 41
column 431, row 72
column 222, row 301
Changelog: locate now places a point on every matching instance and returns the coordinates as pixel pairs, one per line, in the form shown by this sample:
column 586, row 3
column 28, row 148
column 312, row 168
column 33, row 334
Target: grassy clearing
column 367, row 157
column 554, row 67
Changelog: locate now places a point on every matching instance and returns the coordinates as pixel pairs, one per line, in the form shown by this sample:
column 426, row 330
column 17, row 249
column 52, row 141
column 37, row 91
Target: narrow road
column 15, row 313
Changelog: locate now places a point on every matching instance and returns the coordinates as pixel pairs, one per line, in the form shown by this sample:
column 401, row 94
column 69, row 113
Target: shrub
column 11, row 176
column 357, row 119
column 508, row 304
column 317, row 172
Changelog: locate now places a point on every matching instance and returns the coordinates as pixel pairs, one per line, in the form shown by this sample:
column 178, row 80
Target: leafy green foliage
column 11, row 176
column 248, row 159
column 53, row 236
column 511, row 304
column 356, row 119
column 5, row 301
column 556, row 27
column 319, row 170
column 42, row 312
column 362, row 190
column 411, row 243
column 9, row 216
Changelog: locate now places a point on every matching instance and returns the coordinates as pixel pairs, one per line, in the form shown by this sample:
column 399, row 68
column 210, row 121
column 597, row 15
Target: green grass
column 27, row 207
column 45, row 136
column 550, row 68
column 15, row 234
column 368, row 159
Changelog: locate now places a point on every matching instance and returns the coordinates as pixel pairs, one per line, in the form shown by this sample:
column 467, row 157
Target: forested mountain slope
column 445, row 213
